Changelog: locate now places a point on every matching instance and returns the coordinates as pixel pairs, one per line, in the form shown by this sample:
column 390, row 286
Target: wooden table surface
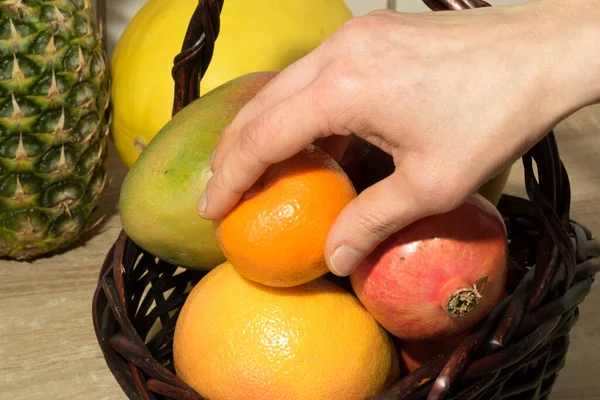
column 48, row 349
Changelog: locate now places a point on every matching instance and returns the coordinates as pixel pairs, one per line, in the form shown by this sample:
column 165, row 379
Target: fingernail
column 212, row 156
column 202, row 204
column 344, row 260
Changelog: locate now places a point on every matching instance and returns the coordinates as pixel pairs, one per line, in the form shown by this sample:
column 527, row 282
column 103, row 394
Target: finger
column 288, row 82
column 274, row 136
column 366, row 221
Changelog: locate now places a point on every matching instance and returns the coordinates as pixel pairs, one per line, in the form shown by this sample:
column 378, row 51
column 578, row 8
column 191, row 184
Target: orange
column 237, row 339
column 276, row 233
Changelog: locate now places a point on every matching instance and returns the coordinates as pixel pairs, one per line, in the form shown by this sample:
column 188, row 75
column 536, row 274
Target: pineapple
column 54, row 121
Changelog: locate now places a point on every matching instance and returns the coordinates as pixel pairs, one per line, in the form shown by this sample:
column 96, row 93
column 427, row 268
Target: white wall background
column 119, row 12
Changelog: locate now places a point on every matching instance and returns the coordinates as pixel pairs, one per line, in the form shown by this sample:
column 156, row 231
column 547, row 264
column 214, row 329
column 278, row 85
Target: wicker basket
column 516, row 353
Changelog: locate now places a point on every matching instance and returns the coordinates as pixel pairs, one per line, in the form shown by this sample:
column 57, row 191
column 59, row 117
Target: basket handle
column 190, row 65
column 197, row 50
column 439, row 5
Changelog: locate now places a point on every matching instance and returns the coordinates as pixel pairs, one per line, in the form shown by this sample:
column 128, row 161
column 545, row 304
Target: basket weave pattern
column 515, row 353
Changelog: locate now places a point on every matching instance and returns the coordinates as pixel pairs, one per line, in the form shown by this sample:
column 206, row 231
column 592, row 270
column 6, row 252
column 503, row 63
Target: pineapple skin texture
column 54, row 121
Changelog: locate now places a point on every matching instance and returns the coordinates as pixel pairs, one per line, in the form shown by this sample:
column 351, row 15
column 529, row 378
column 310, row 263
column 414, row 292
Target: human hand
column 454, row 97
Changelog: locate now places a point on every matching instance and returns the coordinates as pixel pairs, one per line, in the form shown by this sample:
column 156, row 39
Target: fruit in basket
column 414, row 353
column 236, row 339
column 54, row 96
column 276, row 233
column 160, row 192
column 438, row 276
column 254, row 36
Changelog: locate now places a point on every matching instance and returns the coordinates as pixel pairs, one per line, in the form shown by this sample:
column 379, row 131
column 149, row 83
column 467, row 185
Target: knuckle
column 340, row 94
column 224, row 181
column 359, row 28
column 350, row 33
column 346, row 77
column 381, row 12
column 433, row 202
column 339, row 84
column 351, row 28
column 250, row 140
column 355, row 27
column 374, row 223
column 261, row 98
column 440, row 195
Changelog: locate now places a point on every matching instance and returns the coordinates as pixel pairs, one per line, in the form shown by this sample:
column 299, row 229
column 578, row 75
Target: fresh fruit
column 236, row 339
column 255, row 35
column 276, row 233
column 54, row 96
column 438, row 276
column 414, row 353
column 159, row 194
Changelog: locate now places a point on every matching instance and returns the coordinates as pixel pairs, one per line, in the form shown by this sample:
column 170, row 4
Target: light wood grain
column 48, row 349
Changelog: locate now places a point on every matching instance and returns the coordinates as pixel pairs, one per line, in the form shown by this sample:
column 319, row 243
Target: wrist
column 569, row 44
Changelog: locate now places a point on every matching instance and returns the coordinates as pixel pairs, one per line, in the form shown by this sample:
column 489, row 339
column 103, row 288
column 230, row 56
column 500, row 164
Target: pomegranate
column 439, row 276
column 414, row 353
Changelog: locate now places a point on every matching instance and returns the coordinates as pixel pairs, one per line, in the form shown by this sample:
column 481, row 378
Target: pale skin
column 455, row 97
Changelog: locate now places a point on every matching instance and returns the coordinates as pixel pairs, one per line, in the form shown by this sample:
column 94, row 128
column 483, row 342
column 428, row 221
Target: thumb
column 375, row 214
